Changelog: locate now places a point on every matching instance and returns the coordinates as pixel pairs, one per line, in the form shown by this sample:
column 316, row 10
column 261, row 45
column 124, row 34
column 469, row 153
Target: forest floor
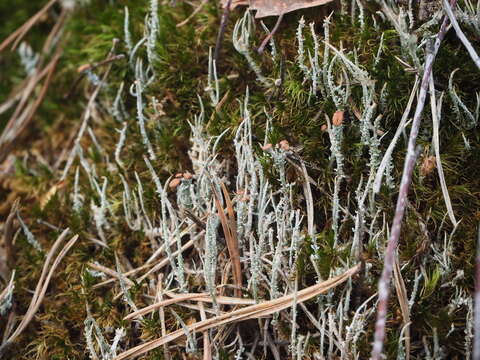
column 160, row 203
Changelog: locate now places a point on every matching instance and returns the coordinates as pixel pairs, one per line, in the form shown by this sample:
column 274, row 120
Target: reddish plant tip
column 187, row 175
column 174, row 183
column 324, row 128
column 284, row 145
column 337, row 119
column 83, row 67
column 428, row 165
column 266, row 147
column 178, row 175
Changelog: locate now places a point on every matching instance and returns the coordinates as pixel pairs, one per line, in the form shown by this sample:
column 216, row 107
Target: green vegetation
column 304, row 229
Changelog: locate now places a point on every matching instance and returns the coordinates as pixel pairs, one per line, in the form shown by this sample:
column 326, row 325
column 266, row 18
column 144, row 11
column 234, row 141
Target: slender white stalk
column 136, row 90
column 120, row 144
column 436, row 144
column 471, row 51
column 126, row 32
column 28, row 234
column 388, row 154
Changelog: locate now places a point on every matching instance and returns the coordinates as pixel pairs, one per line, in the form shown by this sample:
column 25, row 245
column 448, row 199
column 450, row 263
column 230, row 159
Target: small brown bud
column 266, row 147
column 284, row 145
column 178, row 175
column 324, row 128
column 174, row 183
column 337, row 119
column 187, row 175
column 83, row 67
column 428, row 165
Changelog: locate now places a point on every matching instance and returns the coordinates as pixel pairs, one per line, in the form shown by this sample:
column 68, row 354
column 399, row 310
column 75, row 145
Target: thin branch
column 460, row 34
column 221, row 31
column 199, row 297
column 270, row 35
column 476, row 343
column 412, row 153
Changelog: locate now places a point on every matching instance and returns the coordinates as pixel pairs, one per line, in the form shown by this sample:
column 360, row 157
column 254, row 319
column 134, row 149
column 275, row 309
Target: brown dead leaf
column 266, row 8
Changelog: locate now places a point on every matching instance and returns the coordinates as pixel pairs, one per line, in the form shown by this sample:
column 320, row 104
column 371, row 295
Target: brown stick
column 49, row 267
column 18, row 34
column 57, row 28
column 476, row 340
column 412, row 153
column 221, row 31
column 269, row 36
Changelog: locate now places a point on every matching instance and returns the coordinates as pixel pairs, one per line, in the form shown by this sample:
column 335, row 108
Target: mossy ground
column 57, row 329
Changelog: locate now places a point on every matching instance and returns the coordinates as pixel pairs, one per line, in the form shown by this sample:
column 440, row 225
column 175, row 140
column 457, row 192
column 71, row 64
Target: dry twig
column 412, row 153
column 250, row 312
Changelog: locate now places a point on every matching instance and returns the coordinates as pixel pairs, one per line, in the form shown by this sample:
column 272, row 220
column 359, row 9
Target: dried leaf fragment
column 275, row 7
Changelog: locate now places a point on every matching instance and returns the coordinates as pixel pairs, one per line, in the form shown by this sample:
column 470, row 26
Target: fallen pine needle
column 249, row 312
column 403, row 302
column 42, row 284
column 195, row 12
column 230, row 230
column 201, row 297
